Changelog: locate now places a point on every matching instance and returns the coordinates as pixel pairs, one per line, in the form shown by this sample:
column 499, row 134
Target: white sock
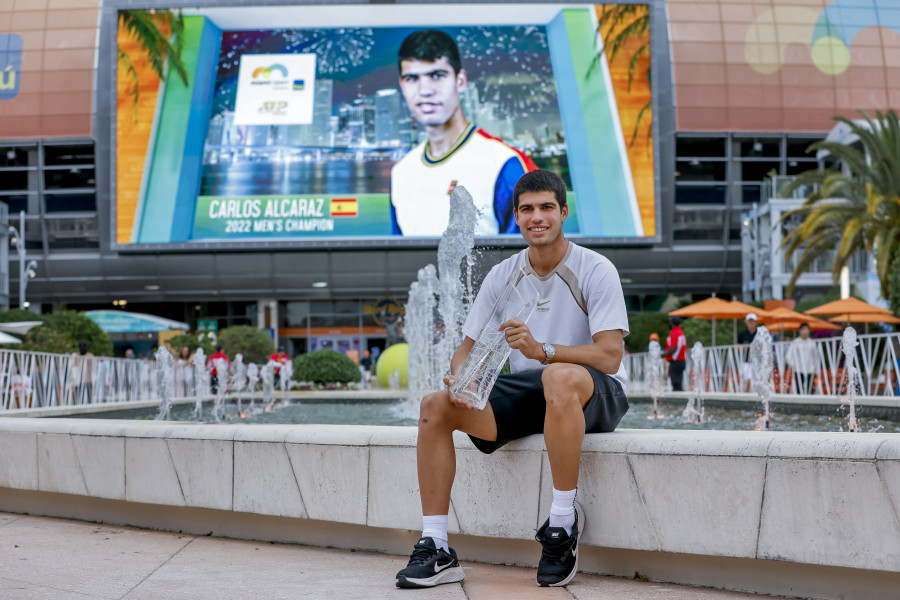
column 562, row 511
column 435, row 527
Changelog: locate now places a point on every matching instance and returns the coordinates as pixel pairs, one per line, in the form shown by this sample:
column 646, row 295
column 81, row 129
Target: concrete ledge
column 814, row 499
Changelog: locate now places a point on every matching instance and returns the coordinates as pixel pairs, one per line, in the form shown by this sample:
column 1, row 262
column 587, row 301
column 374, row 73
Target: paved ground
column 56, row 559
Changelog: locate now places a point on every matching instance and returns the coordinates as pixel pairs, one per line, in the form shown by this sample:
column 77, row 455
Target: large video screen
column 346, row 124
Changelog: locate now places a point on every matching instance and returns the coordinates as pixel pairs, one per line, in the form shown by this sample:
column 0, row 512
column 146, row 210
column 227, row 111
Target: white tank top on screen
column 420, row 188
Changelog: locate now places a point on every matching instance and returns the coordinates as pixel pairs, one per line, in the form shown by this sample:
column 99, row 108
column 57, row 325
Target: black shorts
column 519, row 406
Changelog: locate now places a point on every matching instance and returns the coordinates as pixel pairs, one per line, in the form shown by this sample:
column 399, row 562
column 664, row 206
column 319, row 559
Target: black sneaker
column 430, row 566
column 559, row 559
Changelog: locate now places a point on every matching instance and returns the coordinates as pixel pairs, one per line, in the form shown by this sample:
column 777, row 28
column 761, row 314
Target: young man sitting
column 567, row 380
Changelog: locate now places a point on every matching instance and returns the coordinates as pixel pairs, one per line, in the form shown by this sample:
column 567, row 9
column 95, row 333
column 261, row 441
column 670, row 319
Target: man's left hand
column 519, row 337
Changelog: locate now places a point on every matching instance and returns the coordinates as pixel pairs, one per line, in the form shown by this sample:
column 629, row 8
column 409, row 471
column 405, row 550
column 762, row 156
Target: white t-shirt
column 580, row 297
column 802, row 356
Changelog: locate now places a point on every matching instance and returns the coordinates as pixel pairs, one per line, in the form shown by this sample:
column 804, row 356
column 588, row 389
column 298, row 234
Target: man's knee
column 433, row 409
column 563, row 386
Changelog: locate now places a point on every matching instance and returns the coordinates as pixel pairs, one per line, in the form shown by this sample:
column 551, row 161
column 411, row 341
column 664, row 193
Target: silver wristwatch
column 550, row 351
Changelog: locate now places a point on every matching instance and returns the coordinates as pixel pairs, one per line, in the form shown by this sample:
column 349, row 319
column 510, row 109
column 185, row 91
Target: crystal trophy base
column 478, row 374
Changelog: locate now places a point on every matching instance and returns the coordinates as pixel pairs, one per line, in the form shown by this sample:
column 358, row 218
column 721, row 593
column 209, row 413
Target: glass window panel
column 297, row 313
column 758, row 148
column 13, row 156
column 689, row 146
column 795, row 167
column 756, row 171
column 797, row 147
column 11, row 181
column 707, row 194
column 68, row 155
column 70, row 202
column 69, row 178
column 16, row 203
column 751, row 193
column 699, row 170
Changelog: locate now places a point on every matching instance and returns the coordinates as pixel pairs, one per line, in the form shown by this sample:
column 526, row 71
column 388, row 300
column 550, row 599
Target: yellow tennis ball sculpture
column 394, row 357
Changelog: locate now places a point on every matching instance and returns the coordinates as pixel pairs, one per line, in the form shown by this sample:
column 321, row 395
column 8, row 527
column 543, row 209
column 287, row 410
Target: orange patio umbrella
column 866, row 318
column 847, row 306
column 790, row 320
column 716, row 308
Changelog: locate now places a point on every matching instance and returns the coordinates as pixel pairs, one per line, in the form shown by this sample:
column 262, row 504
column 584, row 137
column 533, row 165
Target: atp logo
column 268, row 71
column 828, row 33
column 10, row 65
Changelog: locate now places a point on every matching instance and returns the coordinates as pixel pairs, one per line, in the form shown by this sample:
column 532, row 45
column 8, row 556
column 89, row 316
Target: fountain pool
column 640, row 416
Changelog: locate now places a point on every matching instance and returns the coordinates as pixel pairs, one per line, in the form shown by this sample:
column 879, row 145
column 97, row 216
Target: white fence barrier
column 38, row 379
column 877, row 356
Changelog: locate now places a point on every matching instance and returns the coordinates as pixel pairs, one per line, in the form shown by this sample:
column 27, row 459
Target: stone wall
column 808, row 499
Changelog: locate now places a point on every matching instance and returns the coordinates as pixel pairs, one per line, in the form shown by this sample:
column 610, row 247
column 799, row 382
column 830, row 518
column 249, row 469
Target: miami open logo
column 267, row 71
column 275, row 89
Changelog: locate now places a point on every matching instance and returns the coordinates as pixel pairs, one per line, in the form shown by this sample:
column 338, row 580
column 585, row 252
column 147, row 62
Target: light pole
column 26, row 271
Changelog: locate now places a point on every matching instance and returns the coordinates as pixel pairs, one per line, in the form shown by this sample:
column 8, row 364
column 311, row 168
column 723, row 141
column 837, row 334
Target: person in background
column 184, row 371
column 746, row 337
column 281, row 358
column 676, row 347
column 803, row 359
column 211, row 367
column 654, row 337
column 368, row 367
column 83, row 374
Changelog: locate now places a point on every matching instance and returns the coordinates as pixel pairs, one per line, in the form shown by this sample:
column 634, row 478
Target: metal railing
column 877, row 356
column 39, row 379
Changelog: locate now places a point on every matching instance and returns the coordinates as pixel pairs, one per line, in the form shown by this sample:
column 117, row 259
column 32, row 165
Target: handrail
column 877, row 356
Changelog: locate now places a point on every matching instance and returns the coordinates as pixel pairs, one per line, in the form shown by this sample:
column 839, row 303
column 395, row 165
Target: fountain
column 267, row 374
column 851, row 381
column 221, row 368
column 201, row 381
column 761, row 359
column 438, row 306
column 654, row 375
column 164, row 381
column 693, row 412
column 252, row 381
column 238, row 378
column 284, row 380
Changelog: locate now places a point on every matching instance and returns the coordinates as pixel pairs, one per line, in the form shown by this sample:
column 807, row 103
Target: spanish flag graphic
column 344, row 207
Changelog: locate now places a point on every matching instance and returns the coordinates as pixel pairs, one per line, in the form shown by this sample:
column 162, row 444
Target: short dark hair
column 540, row 181
column 674, row 321
column 429, row 45
column 82, row 346
column 802, row 325
column 219, row 348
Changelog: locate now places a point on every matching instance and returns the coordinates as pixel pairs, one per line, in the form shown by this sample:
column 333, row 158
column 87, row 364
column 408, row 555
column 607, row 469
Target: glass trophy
column 475, row 379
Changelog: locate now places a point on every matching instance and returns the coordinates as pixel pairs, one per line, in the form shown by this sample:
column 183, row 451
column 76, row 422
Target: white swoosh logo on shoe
column 438, row 569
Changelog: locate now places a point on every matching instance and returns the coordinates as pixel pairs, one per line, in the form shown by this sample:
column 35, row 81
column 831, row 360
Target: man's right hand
column 454, row 400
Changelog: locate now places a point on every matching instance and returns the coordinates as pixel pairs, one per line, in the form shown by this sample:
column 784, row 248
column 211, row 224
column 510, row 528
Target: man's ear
column 564, row 212
column 462, row 79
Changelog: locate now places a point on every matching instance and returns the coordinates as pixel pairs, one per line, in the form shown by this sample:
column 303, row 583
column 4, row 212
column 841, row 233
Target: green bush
column 193, row 341
column 325, row 366
column 700, row 330
column 254, row 344
column 14, row 315
column 641, row 325
column 45, row 339
column 76, row 326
